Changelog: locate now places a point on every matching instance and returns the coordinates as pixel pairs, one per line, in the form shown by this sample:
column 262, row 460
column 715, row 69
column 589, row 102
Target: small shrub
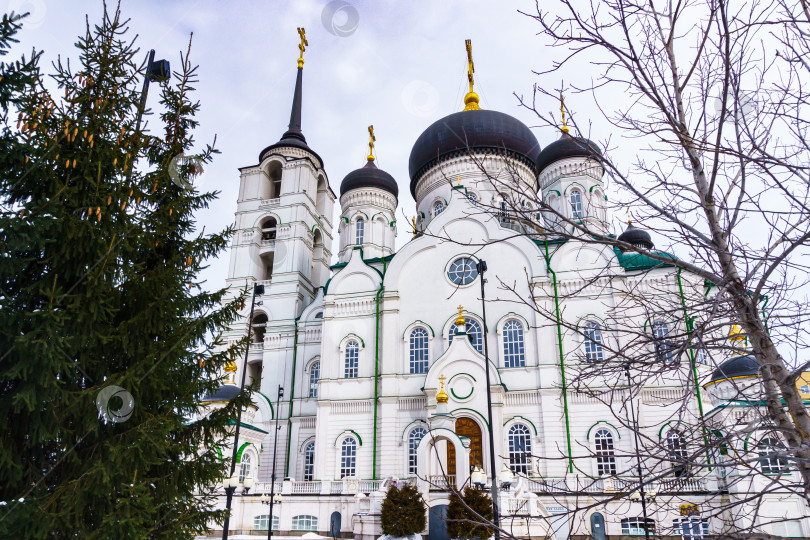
column 462, row 523
column 403, row 511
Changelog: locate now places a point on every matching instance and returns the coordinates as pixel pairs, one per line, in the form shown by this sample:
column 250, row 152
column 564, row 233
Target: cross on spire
column 371, row 139
column 302, row 46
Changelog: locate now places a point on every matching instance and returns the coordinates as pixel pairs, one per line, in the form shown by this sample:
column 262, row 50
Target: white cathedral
column 381, row 353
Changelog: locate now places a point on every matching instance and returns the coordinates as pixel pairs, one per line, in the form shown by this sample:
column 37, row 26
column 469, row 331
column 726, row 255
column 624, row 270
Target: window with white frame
column 413, row 443
column 664, row 349
column 351, row 362
column 359, row 231
column 593, row 342
column 576, row 204
column 514, row 353
column 604, row 450
column 636, row 526
column 260, row 522
column 244, row 466
column 309, row 462
column 314, row 376
column 348, row 457
column 473, row 329
column 438, row 208
column 419, row 350
column 473, row 198
column 520, row 449
column 462, row 271
column 804, row 389
column 771, row 456
column 676, row 449
column 304, row 523
column 790, row 528
column 690, row 528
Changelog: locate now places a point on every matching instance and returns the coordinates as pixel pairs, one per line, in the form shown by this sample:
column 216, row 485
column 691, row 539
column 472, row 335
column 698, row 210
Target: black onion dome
column 738, row 366
column 369, row 176
column 476, row 129
column 636, row 237
column 226, row 392
column 567, row 147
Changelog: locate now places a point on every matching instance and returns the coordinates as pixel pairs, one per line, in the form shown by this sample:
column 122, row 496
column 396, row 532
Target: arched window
column 664, row 350
column 593, row 342
column 348, row 457
column 305, row 523
column 604, row 450
column 352, row 360
column 244, row 466
column 359, row 231
column 438, row 208
column 676, row 448
column 514, row 354
column 770, row 460
column 473, row 198
column 520, row 449
column 314, row 376
column 576, row 204
column 419, row 350
column 269, row 229
column 473, row 329
column 413, row 443
column 309, row 462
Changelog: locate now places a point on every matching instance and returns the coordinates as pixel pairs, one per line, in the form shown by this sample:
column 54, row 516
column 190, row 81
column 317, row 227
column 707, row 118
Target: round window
column 462, row 271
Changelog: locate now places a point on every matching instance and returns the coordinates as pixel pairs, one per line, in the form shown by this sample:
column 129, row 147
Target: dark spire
column 294, row 131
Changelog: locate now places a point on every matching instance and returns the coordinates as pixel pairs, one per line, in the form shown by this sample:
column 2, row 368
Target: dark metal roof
column 567, row 147
column 369, row 176
column 738, row 366
column 226, row 392
column 476, row 129
column 636, row 237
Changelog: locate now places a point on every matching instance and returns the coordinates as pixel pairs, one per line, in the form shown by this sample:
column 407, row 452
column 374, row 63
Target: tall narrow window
column 352, row 361
column 514, row 354
column 419, row 350
column 664, row 350
column 244, row 466
column 676, row 448
column 314, row 375
column 309, row 462
column 576, row 204
column 593, row 342
column 473, row 331
column 770, row 459
column 348, row 458
column 520, row 449
column 438, row 208
column 359, row 231
column 413, row 443
column 604, row 450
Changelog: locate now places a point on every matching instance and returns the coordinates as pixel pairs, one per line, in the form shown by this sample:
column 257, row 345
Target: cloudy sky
column 397, row 65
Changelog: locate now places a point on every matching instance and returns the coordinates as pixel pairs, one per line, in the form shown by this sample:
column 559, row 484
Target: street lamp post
column 272, row 499
column 635, row 427
column 481, row 266
column 230, row 485
column 155, row 71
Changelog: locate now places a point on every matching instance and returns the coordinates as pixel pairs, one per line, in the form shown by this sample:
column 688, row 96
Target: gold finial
column 461, row 324
column 230, row 371
column 413, row 221
column 458, row 180
column 471, row 99
column 371, row 140
column 735, row 336
column 442, row 396
column 564, row 128
column 302, row 46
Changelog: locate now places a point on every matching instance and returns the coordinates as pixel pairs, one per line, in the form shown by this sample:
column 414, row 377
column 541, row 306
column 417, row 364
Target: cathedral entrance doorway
column 466, row 427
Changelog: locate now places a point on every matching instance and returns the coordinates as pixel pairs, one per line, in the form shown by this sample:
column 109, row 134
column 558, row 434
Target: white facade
column 348, row 345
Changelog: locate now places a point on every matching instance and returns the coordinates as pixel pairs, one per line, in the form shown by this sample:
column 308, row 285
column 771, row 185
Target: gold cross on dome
column 371, row 140
column 442, row 378
column 564, row 128
column 302, row 46
column 470, row 65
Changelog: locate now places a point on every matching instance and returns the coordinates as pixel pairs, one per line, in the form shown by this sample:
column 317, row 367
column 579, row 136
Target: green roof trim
column 553, row 241
column 248, row 426
column 637, row 261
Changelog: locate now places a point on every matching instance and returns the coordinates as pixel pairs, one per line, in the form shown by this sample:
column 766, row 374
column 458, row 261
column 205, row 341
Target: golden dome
column 461, row 324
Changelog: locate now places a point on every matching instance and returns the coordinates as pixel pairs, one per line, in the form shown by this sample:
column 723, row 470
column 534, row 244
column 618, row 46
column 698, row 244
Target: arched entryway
column 467, row 427
column 334, row 525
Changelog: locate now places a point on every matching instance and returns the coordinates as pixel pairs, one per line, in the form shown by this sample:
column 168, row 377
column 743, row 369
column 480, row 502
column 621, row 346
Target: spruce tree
column 403, row 511
column 99, row 301
column 462, row 521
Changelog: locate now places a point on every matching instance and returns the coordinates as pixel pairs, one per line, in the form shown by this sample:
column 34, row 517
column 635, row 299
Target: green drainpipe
column 562, row 362
column 292, row 392
column 376, row 382
column 689, row 328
